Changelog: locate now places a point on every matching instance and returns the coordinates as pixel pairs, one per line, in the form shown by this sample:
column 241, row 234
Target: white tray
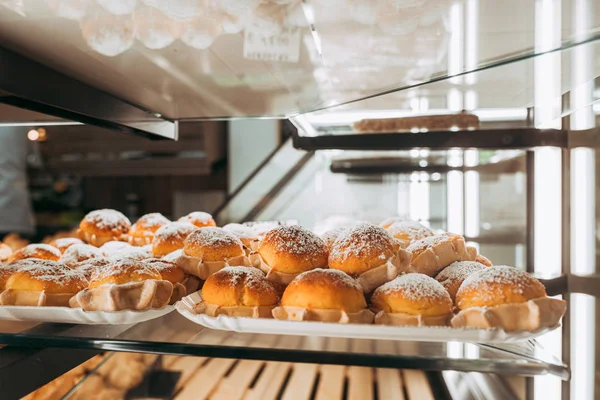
column 353, row 331
column 78, row 316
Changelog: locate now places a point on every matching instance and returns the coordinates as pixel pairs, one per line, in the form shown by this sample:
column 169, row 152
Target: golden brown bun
column 498, row 285
column 409, row 231
column 45, row 275
column 88, row 267
column 15, row 242
column 199, row 219
column 168, row 271
column 105, row 223
column 78, row 253
column 41, row 251
column 170, row 237
column 6, row 270
column 123, row 271
column 454, row 275
column 324, row 289
column 242, row 232
column 292, row 250
column 361, row 249
column 213, row 244
column 5, row 252
column 147, row 225
column 239, row 286
column 414, row 294
column 331, row 235
column 64, row 243
column 483, row 260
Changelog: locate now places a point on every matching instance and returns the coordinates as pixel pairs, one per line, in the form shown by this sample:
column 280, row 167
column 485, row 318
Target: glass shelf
column 173, row 334
column 206, row 59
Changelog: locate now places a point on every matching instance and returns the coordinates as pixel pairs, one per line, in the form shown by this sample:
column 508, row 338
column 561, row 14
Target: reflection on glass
column 180, row 10
column 108, row 34
column 70, row 9
column 200, row 33
column 118, row 7
column 154, row 29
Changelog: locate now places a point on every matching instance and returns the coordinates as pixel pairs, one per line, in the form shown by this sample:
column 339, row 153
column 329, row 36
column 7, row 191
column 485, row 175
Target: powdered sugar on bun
column 421, row 245
column 64, row 243
column 333, row 277
column 409, row 231
column 174, row 231
column 252, row 278
column 294, row 240
column 458, row 271
column 331, row 235
column 46, row 271
column 41, row 251
column 199, row 219
column 414, row 287
column 114, row 246
column 78, row 253
column 123, row 271
column 148, row 224
column 212, row 237
column 498, row 285
column 106, row 220
column 241, row 231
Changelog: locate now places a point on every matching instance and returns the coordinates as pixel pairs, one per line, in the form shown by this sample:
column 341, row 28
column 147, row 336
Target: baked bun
column 183, row 284
column 454, row 275
column 89, row 266
column 101, row 226
column 386, row 223
column 292, row 250
column 132, row 252
column 324, row 295
column 331, row 235
column 434, row 253
column 6, row 270
column 213, row 244
column 409, row 231
column 41, row 283
column 40, row 251
column 5, row 252
column 78, row 253
column 170, row 237
column 412, row 299
column 114, row 246
column 248, row 237
column 64, row 243
column 369, row 253
column 125, row 284
column 142, row 232
column 483, row 260
column 238, row 291
column 508, row 298
column 199, row 218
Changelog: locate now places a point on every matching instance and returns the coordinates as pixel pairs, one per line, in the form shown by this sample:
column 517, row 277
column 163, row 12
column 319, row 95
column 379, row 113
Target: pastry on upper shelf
column 124, row 285
column 238, row 292
column 5, row 252
column 41, row 283
column 442, row 122
column 507, row 298
column 199, row 219
column 370, row 254
column 183, row 284
column 409, row 231
column 325, row 295
column 248, row 237
column 412, row 299
column 454, row 275
column 432, row 254
column 207, row 250
column 64, row 243
column 101, row 226
column 287, row 251
column 40, row 251
column 78, row 253
column 170, row 237
column 142, row 232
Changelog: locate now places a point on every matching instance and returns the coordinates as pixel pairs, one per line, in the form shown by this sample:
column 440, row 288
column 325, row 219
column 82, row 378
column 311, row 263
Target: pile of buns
column 396, row 273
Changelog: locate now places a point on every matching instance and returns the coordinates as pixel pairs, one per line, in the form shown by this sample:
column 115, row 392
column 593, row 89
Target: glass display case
column 475, row 117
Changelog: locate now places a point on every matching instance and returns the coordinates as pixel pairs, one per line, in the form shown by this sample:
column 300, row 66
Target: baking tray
column 78, row 316
column 352, row 331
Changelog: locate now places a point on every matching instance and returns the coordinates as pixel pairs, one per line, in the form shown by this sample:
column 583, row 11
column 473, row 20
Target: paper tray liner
column 11, row 297
column 129, row 296
column 97, row 241
column 529, row 316
column 302, row 314
column 402, row 319
column 196, row 267
column 434, row 259
column 386, row 272
column 215, row 310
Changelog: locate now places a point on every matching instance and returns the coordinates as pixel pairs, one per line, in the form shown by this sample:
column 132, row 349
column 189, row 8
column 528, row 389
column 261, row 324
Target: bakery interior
column 466, row 116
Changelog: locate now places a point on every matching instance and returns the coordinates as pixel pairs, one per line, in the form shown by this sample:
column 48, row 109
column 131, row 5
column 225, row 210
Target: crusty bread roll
column 432, row 254
column 101, row 226
column 292, row 250
column 239, row 286
column 64, row 243
column 78, row 253
column 125, row 284
column 508, row 298
column 5, row 252
column 324, row 289
column 41, row 283
column 142, row 232
column 40, row 251
column 454, row 275
column 412, row 299
column 199, row 218
column 409, row 231
column 361, row 249
column 213, row 244
column 170, row 237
